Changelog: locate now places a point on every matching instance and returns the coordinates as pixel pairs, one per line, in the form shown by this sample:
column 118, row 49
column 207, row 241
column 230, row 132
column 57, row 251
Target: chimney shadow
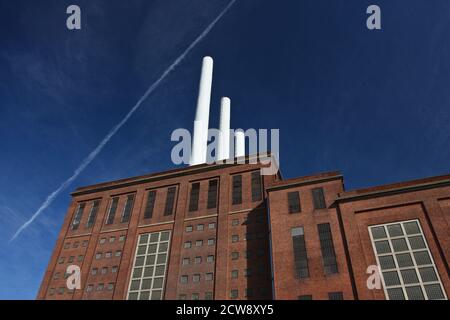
column 257, row 273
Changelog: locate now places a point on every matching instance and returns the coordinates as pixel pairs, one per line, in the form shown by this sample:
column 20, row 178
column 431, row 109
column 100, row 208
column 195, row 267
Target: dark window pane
column 305, row 297
column 300, row 255
column 318, row 198
column 128, row 207
column 327, row 248
column 112, row 210
column 195, row 192
column 170, row 199
column 237, row 189
column 256, row 186
column 212, row 194
column 151, row 197
column 294, row 202
column 335, row 296
column 93, row 214
column 78, row 216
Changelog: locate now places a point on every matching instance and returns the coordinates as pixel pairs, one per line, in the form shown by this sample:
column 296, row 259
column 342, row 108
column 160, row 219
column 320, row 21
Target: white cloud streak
column 51, row 197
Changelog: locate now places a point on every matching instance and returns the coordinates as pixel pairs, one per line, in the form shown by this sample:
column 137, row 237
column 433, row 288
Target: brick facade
column 242, row 250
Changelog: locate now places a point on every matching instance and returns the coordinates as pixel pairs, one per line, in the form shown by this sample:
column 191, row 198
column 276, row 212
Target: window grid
column 151, row 197
column 397, row 268
column 146, row 262
column 93, row 213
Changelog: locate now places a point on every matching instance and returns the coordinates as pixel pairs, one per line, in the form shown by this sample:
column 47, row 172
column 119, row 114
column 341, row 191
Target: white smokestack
column 201, row 123
column 224, row 127
column 240, row 143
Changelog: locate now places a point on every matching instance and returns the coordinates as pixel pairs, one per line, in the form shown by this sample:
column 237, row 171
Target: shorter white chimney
column 240, row 143
column 224, row 127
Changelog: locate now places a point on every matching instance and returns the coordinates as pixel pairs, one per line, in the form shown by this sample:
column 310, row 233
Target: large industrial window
column 318, row 198
column 195, row 192
column 151, row 197
column 112, row 210
column 128, row 208
column 407, row 267
column 300, row 255
column 256, row 186
column 294, row 202
column 77, row 219
column 327, row 248
column 237, row 189
column 93, row 214
column 170, row 200
column 212, row 194
column 149, row 267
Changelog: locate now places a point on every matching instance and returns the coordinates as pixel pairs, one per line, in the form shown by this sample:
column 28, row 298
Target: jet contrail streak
column 116, row 128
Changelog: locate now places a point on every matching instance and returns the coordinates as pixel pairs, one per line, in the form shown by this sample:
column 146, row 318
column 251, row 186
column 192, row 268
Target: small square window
column 198, row 260
column 235, row 222
column 184, row 279
column 108, row 254
column 121, row 238
column 102, row 240
column 234, row 294
column 212, row 225
column 200, row 227
column 89, row 288
column 196, row 278
column 104, row 270
column 94, row 271
column 195, row 296
column 209, row 276
column 114, row 269
column 187, row 244
column 182, row 297
column 211, row 242
column 234, row 255
column 234, row 274
column 198, row 243
column 234, row 238
column 189, row 228
column 112, row 239
column 67, row 245
column 100, row 286
column 210, row 258
column 80, row 258
column 208, row 295
column 84, row 243
column 186, row 261
column 118, row 253
column 76, row 244
column 61, row 260
column 110, row 286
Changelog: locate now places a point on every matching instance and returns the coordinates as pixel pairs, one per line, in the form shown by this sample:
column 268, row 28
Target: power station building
column 226, row 231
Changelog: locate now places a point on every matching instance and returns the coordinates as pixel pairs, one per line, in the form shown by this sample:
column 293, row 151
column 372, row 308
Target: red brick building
column 227, row 232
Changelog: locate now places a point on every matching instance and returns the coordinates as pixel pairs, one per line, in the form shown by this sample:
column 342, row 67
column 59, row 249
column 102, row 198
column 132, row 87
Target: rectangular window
column 208, row 295
column 170, row 199
column 327, row 248
column 237, row 189
column 212, row 194
column 78, row 216
column 234, row 294
column 294, row 202
column 256, row 186
column 318, row 198
column 300, row 255
column 305, row 297
column 112, row 210
column 195, row 192
column 149, row 267
column 128, row 208
column 151, row 197
column 93, row 214
column 335, row 296
column 407, row 267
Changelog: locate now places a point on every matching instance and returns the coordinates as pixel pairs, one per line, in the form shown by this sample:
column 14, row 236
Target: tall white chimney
column 224, row 128
column 201, row 123
column 240, row 143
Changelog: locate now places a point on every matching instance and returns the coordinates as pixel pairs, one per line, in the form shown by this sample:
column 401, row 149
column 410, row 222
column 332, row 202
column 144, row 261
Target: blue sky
column 372, row 104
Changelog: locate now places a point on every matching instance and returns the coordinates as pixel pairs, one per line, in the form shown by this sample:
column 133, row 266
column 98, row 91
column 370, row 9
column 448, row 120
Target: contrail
column 116, row 128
